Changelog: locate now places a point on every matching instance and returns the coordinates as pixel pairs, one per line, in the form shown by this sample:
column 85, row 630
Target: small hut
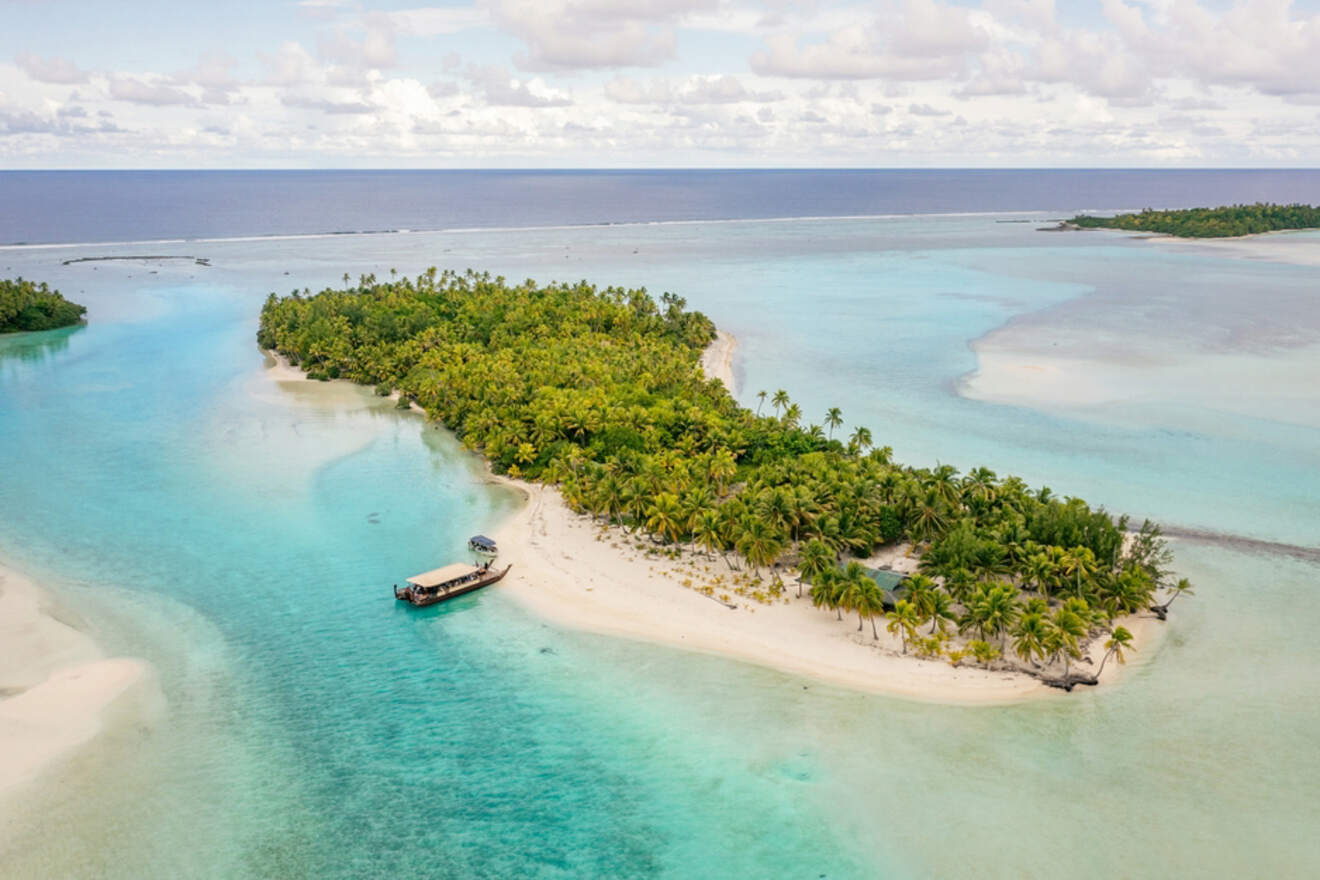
column 482, row 544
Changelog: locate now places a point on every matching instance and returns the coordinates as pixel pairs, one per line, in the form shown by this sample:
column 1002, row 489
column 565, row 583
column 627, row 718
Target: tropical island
column 599, row 393
column 25, row 305
column 1224, row 222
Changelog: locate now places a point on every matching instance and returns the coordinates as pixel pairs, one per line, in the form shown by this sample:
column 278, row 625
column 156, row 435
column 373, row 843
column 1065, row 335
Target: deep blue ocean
column 240, row 533
column 98, row 206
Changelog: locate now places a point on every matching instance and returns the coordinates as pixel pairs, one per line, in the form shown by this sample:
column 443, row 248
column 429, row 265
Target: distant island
column 25, row 305
column 1224, row 222
column 600, row 394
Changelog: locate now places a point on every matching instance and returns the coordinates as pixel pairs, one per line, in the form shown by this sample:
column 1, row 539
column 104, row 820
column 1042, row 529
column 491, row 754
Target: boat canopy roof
column 437, row 576
column 482, row 541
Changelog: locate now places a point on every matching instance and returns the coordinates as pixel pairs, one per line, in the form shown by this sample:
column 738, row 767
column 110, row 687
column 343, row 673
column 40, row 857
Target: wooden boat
column 444, row 583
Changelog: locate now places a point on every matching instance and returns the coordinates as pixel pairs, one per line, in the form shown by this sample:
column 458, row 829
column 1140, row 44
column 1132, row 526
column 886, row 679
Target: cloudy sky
column 630, row 83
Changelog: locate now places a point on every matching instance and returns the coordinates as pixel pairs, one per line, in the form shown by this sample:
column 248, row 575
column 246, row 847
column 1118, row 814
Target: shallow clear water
column 239, row 534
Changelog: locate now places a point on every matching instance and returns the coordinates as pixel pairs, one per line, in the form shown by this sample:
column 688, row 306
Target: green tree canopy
column 25, row 305
column 1221, row 222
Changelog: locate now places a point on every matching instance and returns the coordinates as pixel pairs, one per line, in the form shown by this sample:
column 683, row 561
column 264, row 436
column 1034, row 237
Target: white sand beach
column 571, row 571
column 57, row 689
column 583, row 575
column 717, row 359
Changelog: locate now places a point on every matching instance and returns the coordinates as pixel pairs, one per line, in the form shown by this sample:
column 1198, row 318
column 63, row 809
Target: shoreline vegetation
column 1230, row 221
column 27, row 306
column 643, row 469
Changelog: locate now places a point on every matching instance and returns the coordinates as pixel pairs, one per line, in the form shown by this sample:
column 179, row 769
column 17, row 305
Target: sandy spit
column 717, row 360
column 57, row 690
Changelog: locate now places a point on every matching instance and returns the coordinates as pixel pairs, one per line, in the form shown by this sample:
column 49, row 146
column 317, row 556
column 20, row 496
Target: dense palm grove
column 25, row 305
column 1212, row 222
column 600, row 393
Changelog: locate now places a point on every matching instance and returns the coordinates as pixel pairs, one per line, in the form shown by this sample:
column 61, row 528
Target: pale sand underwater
column 1228, row 354
column 1298, row 247
column 57, row 689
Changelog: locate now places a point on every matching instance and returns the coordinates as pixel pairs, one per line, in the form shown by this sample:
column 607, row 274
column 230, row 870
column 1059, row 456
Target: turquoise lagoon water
column 240, row 535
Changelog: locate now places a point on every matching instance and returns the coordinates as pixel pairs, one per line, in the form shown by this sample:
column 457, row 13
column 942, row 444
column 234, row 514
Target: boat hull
column 422, row 598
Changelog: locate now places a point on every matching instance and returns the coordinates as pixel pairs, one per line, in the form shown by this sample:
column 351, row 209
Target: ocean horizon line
column 549, row 227
column 663, row 169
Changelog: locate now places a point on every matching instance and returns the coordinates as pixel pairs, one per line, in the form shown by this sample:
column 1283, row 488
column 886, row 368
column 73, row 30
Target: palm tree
column 1184, row 586
column 855, row 586
column 758, row 543
column 959, row 584
column 823, row 590
column 979, row 484
column 707, row 530
column 1058, row 559
column 804, row 509
column 1039, row 572
column 780, row 399
column 815, row 559
column 1127, row 592
column 870, row 603
column 1068, row 628
column 943, row 481
column 1120, row 640
column 1031, row 635
column 838, row 586
column 609, row 498
column 921, row 593
column 833, row 419
column 940, row 611
column 847, row 593
column 636, row 494
column 861, row 438
column 929, row 516
column 723, row 467
column 1000, row 610
column 1083, row 610
column 760, row 401
column 665, row 516
column 1079, row 562
column 1035, row 605
column 776, row 507
column 903, row 621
